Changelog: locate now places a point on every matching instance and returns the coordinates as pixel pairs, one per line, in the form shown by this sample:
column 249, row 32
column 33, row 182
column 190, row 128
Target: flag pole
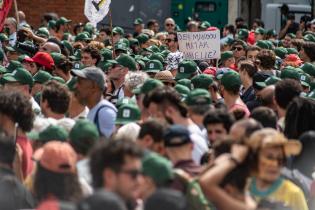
column 16, row 13
column 111, row 29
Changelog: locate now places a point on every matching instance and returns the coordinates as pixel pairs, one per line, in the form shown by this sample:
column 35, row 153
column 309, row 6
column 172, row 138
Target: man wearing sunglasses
column 116, row 167
column 169, row 25
column 239, row 49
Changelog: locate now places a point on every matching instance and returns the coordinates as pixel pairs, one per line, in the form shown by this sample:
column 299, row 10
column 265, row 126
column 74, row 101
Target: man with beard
column 89, row 91
column 165, row 103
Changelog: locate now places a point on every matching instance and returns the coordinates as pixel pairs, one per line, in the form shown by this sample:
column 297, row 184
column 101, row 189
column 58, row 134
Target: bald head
column 169, row 25
column 21, row 15
column 244, row 128
column 50, row 47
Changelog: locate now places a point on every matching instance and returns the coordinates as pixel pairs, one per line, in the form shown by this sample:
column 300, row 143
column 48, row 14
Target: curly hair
column 267, row 59
column 18, row 108
column 94, row 52
column 64, row 186
column 57, row 96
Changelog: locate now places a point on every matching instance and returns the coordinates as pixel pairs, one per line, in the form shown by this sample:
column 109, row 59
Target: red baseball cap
column 293, row 59
column 44, row 59
column 210, row 70
column 212, row 28
column 57, row 157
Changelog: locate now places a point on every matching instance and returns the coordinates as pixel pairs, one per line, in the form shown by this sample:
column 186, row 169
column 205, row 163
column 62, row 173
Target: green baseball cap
column 138, row 21
column 83, row 129
column 158, row 168
column 226, row 55
column 14, row 65
column 289, row 73
column 43, row 32
column 3, row 70
column 62, row 21
column 271, row 32
column 281, row 52
column 149, row 85
column 68, row 46
column 198, row 97
column 157, row 56
column 42, row 77
column 205, row 25
column 125, row 100
column 58, row 79
column 243, row 34
column 185, row 82
column 311, row 95
column 51, row 24
column 127, row 113
column 185, row 69
column 292, row 35
column 106, row 54
column 51, row 133
column 22, row 57
column 19, row 75
column 82, row 37
column 202, row 81
column 262, row 44
column 10, row 49
column 127, row 61
column 165, row 53
column 260, row 30
column 3, row 37
column 183, row 90
column 231, row 80
column 305, row 79
column 89, row 28
column 121, row 46
column 142, row 38
column 154, row 49
column 272, row 80
column 153, row 66
column 133, row 41
column 118, row 30
column 309, row 68
column 58, row 58
column 309, row 38
column 292, row 50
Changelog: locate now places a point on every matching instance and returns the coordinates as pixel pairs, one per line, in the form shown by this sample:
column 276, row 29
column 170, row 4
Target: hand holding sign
column 199, row 45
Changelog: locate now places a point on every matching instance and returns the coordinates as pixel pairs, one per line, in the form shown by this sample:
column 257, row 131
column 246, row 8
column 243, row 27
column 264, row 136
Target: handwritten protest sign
column 199, row 45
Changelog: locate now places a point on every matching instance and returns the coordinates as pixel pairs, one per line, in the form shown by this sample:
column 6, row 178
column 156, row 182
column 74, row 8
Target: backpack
column 193, row 192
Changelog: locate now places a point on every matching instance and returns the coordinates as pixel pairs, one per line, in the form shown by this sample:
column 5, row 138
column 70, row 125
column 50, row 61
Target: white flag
column 96, row 10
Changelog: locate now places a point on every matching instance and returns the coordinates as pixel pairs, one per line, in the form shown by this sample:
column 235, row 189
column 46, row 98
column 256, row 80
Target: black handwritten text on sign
column 199, row 45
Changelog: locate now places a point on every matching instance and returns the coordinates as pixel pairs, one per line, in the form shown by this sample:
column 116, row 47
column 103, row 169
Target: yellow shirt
column 283, row 191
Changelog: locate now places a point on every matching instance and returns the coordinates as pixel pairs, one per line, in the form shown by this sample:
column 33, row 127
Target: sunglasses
column 169, row 24
column 237, row 48
column 133, row 173
column 169, row 40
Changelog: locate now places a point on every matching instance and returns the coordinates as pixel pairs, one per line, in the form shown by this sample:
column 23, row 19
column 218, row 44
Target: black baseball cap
column 176, row 135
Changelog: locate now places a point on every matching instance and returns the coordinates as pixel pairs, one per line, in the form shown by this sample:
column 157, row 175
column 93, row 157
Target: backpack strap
column 96, row 118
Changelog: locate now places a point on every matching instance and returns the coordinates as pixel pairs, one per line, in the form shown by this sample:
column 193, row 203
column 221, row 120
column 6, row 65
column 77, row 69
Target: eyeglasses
column 133, row 173
column 237, row 48
column 169, row 24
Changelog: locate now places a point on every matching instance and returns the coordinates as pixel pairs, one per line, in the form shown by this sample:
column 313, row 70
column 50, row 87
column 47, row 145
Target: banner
column 5, row 6
column 96, row 10
column 199, row 45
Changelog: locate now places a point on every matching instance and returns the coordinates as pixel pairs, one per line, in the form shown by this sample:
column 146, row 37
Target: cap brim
column 33, row 136
column 305, row 84
column 9, row 78
column 261, row 84
column 79, row 73
column 182, row 76
column 28, row 59
column 152, row 71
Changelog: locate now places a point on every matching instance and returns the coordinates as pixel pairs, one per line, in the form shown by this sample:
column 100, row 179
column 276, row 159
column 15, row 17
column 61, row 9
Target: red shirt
column 27, row 163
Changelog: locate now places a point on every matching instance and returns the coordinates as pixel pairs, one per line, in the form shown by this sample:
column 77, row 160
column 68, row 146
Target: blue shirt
column 106, row 117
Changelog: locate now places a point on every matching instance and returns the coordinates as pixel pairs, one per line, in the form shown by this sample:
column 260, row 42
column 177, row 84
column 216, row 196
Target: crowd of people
column 94, row 118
